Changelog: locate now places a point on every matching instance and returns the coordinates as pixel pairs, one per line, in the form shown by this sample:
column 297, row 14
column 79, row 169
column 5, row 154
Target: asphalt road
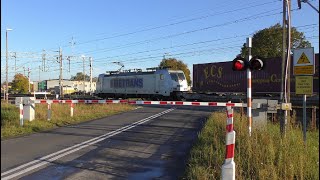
column 151, row 142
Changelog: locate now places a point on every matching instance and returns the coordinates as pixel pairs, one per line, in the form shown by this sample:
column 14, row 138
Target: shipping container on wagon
column 220, row 78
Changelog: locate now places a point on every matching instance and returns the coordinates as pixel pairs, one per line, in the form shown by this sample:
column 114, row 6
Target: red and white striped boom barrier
column 229, row 166
column 104, row 101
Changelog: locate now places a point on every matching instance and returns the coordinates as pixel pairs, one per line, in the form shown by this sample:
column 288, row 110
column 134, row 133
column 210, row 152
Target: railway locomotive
column 155, row 84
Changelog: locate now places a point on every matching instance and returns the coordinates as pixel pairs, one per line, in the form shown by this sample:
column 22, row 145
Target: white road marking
column 44, row 160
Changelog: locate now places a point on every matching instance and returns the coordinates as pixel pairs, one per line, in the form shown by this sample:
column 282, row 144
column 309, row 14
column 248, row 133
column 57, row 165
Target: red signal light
column 239, row 64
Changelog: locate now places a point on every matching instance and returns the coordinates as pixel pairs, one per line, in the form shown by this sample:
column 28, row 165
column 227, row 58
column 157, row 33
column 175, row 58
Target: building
column 68, row 86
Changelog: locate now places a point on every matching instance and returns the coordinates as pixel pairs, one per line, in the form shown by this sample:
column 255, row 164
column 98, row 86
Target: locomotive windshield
column 177, row 76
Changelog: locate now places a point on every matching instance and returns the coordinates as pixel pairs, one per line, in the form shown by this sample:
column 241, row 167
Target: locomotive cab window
column 181, row 76
column 174, row 76
column 177, row 76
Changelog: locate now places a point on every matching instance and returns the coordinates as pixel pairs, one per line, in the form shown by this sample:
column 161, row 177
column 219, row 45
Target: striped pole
column 229, row 166
column 71, row 109
column 49, row 111
column 249, row 105
column 21, row 114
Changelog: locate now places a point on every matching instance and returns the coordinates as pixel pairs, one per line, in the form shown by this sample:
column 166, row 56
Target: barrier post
column 71, row 109
column 21, row 114
column 229, row 166
column 49, row 111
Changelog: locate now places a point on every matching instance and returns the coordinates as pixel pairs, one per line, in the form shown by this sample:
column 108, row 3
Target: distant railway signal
column 241, row 64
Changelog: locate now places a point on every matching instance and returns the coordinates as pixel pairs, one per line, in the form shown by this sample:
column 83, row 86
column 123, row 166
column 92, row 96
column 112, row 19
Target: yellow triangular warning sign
column 303, row 59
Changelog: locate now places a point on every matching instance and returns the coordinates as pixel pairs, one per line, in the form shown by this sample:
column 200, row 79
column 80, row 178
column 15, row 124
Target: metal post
column 60, row 78
column 90, row 75
column 288, row 51
column 6, row 89
column 229, row 166
column 84, row 77
column 15, row 63
column 21, row 114
column 71, row 109
column 288, row 58
column 29, row 80
column 39, row 73
column 314, row 117
column 304, row 118
column 49, row 112
column 283, row 80
column 249, row 105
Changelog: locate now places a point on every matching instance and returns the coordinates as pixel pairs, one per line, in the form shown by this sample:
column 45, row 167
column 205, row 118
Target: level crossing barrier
column 218, row 104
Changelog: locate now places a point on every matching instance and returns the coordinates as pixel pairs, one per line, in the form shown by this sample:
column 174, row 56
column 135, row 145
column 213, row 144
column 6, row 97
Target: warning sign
column 304, row 85
column 303, row 59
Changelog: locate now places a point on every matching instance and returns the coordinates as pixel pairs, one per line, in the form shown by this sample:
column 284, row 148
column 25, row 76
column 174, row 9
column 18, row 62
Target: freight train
column 210, row 79
column 155, row 84
column 219, row 78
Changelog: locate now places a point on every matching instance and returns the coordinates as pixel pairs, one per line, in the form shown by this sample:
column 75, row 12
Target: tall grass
column 264, row 155
column 60, row 116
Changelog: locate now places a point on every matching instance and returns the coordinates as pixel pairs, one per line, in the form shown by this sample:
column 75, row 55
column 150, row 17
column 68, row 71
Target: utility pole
column 288, row 51
column 44, row 60
column 7, row 67
column 72, row 43
column 60, row 77
column 282, row 99
column 286, row 64
column 90, row 75
column 84, row 77
column 39, row 72
column 15, row 63
column 29, row 90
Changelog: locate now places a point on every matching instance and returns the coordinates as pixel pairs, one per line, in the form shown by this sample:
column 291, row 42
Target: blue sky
column 137, row 33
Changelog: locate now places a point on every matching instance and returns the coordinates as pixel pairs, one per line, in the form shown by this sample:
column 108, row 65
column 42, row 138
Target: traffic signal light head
column 239, row 64
column 256, row 63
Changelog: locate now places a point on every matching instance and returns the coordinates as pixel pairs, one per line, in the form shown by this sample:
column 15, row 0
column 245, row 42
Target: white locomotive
column 155, row 83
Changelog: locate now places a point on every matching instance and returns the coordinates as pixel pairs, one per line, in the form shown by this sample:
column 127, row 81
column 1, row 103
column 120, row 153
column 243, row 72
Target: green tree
column 79, row 77
column 175, row 64
column 267, row 43
column 20, row 84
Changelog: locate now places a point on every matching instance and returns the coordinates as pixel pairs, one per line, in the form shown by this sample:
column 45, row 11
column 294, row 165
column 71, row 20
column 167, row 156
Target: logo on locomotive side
column 127, row 83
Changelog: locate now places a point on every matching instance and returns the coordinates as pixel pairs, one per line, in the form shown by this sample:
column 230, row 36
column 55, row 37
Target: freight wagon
column 219, row 78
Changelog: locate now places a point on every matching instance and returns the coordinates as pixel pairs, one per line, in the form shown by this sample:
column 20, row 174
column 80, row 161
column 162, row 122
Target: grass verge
column 60, row 116
column 264, row 155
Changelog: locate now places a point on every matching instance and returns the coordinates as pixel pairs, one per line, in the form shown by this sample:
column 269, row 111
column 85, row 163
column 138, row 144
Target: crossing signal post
column 242, row 64
column 249, row 64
